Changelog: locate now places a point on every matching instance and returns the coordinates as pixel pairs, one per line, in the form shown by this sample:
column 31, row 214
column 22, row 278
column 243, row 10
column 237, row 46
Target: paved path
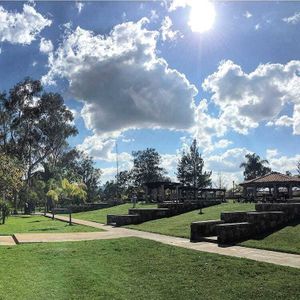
column 283, row 259
column 6, row 241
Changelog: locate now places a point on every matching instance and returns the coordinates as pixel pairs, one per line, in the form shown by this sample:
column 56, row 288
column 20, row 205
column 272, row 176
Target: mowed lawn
column 34, row 224
column 180, row 225
column 101, row 214
column 285, row 240
column 132, row 268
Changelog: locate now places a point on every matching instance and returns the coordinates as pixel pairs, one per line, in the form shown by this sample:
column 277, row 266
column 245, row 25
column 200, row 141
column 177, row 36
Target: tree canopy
column 190, row 168
column 254, row 166
column 146, row 166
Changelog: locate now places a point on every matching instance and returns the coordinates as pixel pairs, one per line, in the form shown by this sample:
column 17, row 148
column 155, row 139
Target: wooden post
column 70, row 217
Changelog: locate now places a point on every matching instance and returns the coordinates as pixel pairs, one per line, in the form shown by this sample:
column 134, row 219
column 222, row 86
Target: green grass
column 134, row 268
column 285, row 240
column 100, row 214
column 34, row 224
column 180, row 225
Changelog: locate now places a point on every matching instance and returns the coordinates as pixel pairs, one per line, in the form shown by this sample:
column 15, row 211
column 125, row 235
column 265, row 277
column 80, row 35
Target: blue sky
column 137, row 73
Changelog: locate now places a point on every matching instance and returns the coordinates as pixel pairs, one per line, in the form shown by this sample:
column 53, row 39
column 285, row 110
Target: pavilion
column 274, row 182
column 161, row 191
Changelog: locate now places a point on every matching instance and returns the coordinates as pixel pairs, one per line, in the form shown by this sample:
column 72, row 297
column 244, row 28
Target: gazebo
column 272, row 181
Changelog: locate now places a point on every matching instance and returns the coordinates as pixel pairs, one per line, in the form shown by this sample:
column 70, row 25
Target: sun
column 202, row 15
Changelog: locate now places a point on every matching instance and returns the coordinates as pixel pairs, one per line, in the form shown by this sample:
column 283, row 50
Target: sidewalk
column 278, row 258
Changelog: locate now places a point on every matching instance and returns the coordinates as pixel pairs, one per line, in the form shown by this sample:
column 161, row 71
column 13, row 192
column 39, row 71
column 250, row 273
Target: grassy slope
column 34, row 224
column 285, row 240
column 137, row 269
column 180, row 225
column 100, row 214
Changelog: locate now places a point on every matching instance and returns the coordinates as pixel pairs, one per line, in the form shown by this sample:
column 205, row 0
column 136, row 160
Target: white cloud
column 245, row 100
column 166, row 32
column 34, row 63
column 282, row 121
column 104, row 149
column 79, row 6
column 21, row 28
column 124, row 140
column 223, row 143
column 229, row 161
column 295, row 19
column 247, row 14
column 153, row 15
column 282, row 163
column 257, row 27
column 46, row 46
column 121, row 80
column 179, row 3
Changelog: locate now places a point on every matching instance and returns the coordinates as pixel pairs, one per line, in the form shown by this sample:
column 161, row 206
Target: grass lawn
column 285, row 240
column 32, row 224
column 100, row 214
column 132, row 268
column 180, row 225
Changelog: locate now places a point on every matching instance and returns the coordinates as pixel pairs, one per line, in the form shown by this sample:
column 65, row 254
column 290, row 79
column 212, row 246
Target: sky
column 160, row 73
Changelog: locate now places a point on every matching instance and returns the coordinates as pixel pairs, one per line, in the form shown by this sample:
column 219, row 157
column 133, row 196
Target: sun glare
column 202, row 15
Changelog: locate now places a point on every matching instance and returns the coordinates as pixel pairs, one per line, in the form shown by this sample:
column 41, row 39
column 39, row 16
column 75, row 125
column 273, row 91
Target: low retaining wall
column 202, row 229
column 140, row 215
column 92, row 206
column 239, row 226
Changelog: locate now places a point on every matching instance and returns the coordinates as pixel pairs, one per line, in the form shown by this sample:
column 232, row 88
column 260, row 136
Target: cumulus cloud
column 247, row 14
column 223, row 143
column 121, row 80
column 245, row 100
column 103, row 149
column 46, row 46
column 21, row 28
column 282, row 121
column 282, row 163
column 166, row 30
column 174, row 4
column 79, row 6
column 294, row 19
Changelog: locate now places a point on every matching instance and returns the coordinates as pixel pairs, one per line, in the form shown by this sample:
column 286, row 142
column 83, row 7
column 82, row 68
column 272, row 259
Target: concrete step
column 121, row 220
column 202, row 229
column 233, row 232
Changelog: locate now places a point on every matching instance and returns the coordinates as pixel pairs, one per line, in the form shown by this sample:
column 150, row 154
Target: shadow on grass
column 46, row 229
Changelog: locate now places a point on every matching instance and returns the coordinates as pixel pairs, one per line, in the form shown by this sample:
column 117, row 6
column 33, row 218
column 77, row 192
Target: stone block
column 229, row 233
column 203, row 229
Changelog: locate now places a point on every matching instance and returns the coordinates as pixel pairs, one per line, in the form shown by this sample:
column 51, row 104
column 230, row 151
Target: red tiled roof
column 273, row 177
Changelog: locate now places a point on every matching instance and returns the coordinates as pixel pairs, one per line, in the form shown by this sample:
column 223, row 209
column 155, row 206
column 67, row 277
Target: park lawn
column 100, row 215
column 34, row 224
column 284, row 240
column 180, row 225
column 132, row 268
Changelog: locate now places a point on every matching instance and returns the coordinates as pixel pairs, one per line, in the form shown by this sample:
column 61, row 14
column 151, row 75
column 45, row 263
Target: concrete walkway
column 278, row 258
column 7, row 241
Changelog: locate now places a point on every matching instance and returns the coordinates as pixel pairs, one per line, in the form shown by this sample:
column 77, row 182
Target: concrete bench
column 203, row 229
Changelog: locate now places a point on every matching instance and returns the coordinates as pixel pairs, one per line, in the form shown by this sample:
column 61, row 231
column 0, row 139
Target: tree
column 11, row 173
column 254, row 166
column 89, row 175
column 34, row 126
column 67, row 192
column 146, row 166
column 190, row 169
